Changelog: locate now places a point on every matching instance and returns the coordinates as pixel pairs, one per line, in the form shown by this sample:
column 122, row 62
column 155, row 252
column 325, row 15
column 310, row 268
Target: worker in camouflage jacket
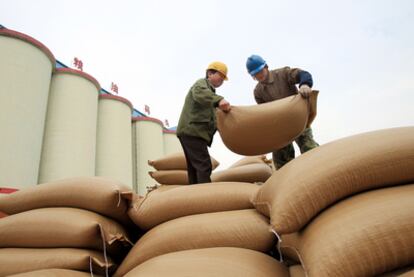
column 277, row 84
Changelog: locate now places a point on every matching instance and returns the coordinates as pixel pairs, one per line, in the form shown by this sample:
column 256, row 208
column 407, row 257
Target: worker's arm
column 301, row 77
column 203, row 95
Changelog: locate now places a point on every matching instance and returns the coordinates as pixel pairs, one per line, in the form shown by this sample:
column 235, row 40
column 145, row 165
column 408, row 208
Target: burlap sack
column 289, row 247
column 243, row 228
column 250, row 160
column 219, row 261
column 260, row 129
column 157, row 208
column 175, row 161
column 63, row 227
column 312, row 107
column 19, row 260
column 407, row 271
column 364, row 235
column 54, row 272
column 296, row 271
column 170, row 177
column 408, row 274
column 313, row 181
column 249, row 173
column 96, row 194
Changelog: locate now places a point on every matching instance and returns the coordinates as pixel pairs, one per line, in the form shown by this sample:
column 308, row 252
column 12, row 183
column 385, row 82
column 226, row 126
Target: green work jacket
column 198, row 116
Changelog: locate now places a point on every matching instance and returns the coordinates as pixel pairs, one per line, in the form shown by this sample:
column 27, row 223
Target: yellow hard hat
column 220, row 67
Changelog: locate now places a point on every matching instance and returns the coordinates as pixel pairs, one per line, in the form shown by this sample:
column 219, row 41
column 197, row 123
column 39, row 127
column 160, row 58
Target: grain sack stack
column 172, row 169
column 186, row 218
column 349, row 212
column 255, row 169
column 216, row 261
column 74, row 224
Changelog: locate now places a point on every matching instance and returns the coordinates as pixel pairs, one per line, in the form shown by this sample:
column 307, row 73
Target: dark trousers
column 305, row 142
column 198, row 159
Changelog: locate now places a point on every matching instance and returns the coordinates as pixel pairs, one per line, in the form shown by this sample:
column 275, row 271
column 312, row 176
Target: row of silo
column 114, row 144
column 70, row 134
column 171, row 143
column 148, row 144
column 25, row 72
column 55, row 123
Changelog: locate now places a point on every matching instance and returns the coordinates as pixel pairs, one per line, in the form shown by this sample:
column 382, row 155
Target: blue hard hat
column 255, row 64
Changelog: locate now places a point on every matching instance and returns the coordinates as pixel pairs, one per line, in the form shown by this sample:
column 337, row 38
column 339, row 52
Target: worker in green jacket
column 197, row 123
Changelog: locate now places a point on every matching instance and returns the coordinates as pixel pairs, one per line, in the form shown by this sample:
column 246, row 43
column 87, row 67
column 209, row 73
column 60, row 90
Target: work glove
column 305, row 91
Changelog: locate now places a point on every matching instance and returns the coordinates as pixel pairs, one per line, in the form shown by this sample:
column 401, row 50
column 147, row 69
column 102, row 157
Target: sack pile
column 183, row 218
column 342, row 209
column 74, row 224
column 172, row 169
column 345, row 208
column 255, row 169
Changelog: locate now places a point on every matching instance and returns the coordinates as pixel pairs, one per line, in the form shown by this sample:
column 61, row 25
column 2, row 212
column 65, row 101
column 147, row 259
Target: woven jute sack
column 97, row 194
column 320, row 177
column 157, row 207
column 249, row 173
column 408, row 274
column 297, row 271
column 170, row 177
column 289, row 248
column 217, row 261
column 364, row 235
column 407, row 271
column 243, row 229
column 250, row 160
column 20, row 260
column 55, row 272
column 63, row 227
column 175, row 161
column 260, row 129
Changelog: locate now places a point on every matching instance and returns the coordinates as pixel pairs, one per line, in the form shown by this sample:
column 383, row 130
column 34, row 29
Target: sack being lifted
column 260, row 129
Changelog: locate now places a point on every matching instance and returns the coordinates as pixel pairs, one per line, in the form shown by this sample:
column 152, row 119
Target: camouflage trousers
column 305, row 142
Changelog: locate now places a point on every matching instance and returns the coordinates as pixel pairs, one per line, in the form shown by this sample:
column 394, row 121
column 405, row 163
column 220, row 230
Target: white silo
column 171, row 142
column 114, row 142
column 69, row 143
column 148, row 145
column 26, row 67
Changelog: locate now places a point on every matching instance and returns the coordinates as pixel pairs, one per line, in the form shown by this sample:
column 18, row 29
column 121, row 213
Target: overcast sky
column 360, row 53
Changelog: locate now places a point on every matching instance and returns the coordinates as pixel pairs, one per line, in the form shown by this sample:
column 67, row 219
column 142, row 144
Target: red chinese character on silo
column 78, row 63
column 147, row 109
column 114, row 87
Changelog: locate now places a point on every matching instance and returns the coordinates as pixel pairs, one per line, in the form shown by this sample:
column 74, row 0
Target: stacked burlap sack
column 346, row 208
column 201, row 230
column 75, row 224
column 172, row 170
column 254, row 169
